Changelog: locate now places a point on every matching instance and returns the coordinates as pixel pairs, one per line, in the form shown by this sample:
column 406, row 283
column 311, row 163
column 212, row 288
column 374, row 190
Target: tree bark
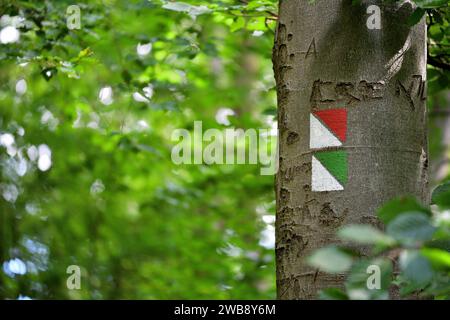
column 367, row 88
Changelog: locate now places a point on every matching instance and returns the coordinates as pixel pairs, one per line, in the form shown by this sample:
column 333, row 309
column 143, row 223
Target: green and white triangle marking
column 329, row 171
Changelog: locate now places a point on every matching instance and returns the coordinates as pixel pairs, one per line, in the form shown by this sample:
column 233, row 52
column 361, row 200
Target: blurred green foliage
column 417, row 239
column 111, row 201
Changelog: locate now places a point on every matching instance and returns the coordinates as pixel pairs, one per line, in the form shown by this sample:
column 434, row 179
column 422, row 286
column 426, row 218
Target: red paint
column 335, row 120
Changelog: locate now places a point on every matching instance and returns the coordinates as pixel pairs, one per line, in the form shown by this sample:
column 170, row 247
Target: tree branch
column 438, row 63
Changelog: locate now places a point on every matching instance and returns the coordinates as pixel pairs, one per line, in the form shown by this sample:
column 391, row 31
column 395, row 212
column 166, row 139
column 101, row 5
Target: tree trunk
column 352, row 126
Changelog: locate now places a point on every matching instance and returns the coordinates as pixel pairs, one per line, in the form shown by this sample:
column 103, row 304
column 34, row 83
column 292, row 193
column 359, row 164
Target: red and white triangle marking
column 328, row 128
column 320, row 136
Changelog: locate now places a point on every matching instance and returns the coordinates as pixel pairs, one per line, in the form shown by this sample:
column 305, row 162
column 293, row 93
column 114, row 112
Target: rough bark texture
column 324, row 58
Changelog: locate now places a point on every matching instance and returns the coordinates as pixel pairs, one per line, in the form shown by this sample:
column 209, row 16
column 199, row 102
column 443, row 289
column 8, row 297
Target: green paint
column 336, row 164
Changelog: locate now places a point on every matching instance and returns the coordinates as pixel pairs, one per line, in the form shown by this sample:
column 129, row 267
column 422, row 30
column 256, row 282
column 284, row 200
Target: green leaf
column 87, row 52
column 442, row 244
column 364, row 234
column 438, row 258
column 440, row 287
column 332, row 294
column 416, row 16
column 270, row 112
column 416, row 268
column 441, row 195
column 411, row 227
column 397, row 206
column 238, row 24
column 330, row 259
column 408, row 288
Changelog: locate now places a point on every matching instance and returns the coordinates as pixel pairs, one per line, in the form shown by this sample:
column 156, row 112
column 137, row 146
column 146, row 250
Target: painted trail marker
column 328, row 128
column 329, row 171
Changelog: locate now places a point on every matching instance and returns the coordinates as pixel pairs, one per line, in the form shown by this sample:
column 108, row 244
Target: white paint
column 322, row 180
column 321, row 136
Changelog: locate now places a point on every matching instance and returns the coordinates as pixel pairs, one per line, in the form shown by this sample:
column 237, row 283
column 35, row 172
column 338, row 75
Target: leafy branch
column 416, row 242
